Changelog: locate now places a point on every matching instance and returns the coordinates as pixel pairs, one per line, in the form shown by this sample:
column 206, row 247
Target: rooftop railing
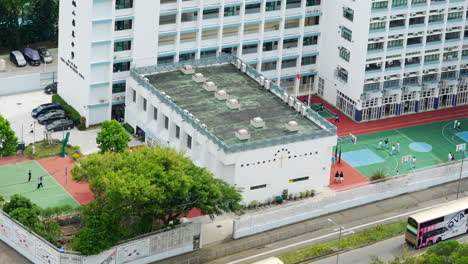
column 138, row 73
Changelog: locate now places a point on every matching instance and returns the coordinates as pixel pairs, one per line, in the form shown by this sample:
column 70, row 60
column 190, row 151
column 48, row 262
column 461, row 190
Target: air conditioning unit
column 390, row 63
column 262, row 80
column 409, row 59
column 243, row 67
column 378, row 64
column 406, row 75
column 267, row 84
column 425, row 71
column 449, row 29
column 291, row 101
column 285, row 97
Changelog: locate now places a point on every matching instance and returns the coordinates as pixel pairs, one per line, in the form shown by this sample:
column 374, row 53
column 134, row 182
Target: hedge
column 129, row 128
column 79, row 120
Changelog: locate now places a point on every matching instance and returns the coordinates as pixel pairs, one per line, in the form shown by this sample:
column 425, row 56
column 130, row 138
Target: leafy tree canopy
column 147, row 189
column 112, row 137
column 8, row 140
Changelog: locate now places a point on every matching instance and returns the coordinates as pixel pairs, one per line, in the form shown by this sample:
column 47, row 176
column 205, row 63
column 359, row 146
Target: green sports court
column 324, row 112
column 429, row 143
column 14, row 180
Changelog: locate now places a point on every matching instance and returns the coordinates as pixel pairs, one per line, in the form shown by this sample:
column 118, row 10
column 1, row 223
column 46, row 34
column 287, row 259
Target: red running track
column 346, row 125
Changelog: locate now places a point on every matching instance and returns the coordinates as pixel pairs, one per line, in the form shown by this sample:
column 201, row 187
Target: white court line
column 333, row 234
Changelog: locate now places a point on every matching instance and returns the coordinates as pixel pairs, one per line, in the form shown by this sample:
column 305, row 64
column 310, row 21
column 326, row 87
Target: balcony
column 209, row 41
column 291, row 51
column 122, row 54
column 188, row 44
column 210, row 22
column 251, row 35
column 118, row 97
column 125, row 12
column 167, row 28
column 230, row 38
column 270, row 54
column 120, row 75
column 188, row 25
column 309, row 48
column 123, row 33
column 313, row 10
column 269, row 74
column 171, row 6
column 252, row 17
column 211, row 2
column 289, row 71
column 166, row 46
column 293, row 11
column 250, row 56
column 231, row 19
column 189, row 4
column 311, row 29
column 269, row 33
column 273, row 14
column 292, row 31
column 308, row 68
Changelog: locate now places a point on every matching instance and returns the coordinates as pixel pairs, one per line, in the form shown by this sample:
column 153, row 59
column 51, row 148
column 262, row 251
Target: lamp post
column 339, row 238
column 461, row 172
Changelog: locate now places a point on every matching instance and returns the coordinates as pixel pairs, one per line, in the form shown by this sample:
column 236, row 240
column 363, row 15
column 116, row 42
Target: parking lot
column 17, row 109
column 12, row 70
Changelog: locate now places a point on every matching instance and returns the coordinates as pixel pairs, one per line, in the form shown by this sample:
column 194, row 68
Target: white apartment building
column 378, row 58
column 100, row 40
column 381, row 59
column 230, row 120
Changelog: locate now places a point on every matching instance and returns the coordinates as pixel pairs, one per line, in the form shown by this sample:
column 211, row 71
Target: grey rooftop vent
column 233, row 104
column 221, row 95
column 257, row 122
column 198, row 78
column 210, row 86
column 187, row 69
column 292, row 126
column 242, row 134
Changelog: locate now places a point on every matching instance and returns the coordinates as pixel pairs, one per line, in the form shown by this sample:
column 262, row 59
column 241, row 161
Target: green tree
column 8, row 140
column 17, row 11
column 112, row 137
column 460, row 255
column 148, row 189
column 443, row 249
column 18, row 201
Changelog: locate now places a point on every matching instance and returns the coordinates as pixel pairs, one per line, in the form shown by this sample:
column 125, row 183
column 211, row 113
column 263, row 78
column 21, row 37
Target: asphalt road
column 385, row 250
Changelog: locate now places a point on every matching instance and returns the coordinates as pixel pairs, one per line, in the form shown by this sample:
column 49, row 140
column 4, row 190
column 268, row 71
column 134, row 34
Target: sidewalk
column 222, row 227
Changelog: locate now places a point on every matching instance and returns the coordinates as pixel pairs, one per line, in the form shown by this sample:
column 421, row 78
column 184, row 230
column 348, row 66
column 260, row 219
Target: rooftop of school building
column 220, row 120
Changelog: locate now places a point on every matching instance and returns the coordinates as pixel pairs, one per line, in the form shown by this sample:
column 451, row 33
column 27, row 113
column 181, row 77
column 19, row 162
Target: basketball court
column 430, row 144
column 323, row 111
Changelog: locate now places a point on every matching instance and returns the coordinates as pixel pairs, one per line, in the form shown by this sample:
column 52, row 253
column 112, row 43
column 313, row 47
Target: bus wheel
column 438, row 239
column 429, row 243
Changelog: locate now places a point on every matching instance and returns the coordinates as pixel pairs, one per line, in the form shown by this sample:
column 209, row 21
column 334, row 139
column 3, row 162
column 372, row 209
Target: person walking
column 459, row 125
column 337, row 176
column 450, row 156
column 380, row 145
column 337, row 118
column 455, row 123
column 29, row 176
column 39, row 183
column 341, row 176
column 393, row 150
column 413, row 164
column 398, row 146
column 386, row 142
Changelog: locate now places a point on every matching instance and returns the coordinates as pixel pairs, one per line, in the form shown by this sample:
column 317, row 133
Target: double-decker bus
column 437, row 224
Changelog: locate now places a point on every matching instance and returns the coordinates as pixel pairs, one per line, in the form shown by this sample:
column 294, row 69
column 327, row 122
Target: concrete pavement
column 10, row 256
column 385, row 250
column 12, row 70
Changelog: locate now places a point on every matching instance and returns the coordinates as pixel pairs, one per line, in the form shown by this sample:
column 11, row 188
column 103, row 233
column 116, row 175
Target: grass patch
column 44, row 150
column 365, row 237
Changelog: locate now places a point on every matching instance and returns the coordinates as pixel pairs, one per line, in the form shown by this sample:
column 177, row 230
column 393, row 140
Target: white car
column 46, row 56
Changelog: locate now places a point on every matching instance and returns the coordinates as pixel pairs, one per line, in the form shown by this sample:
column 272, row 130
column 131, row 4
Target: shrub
column 312, row 193
column 79, row 120
column 307, row 193
column 76, row 156
column 254, row 204
column 378, row 175
column 129, row 128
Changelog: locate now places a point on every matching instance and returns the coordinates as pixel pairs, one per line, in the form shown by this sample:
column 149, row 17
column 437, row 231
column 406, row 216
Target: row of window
column 415, row 21
column 415, row 41
column 144, row 106
column 401, row 3
column 256, row 187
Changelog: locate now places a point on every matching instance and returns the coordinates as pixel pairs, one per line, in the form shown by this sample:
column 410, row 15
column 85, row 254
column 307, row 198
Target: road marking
column 334, row 233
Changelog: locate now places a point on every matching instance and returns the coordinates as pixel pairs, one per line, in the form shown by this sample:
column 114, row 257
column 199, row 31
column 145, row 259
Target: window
column 375, row 46
column 269, row 66
column 269, row 46
column 377, row 26
column 432, row 222
column 248, row 49
column 290, row 63
column 122, row 45
column 380, row 5
column 434, row 38
column 123, row 25
column 342, row 74
column 165, row 59
column 399, row 3
column 166, row 122
column 273, row 6
column 167, row 19
column 348, row 13
column 232, row 11
column 452, row 35
column 121, row 66
column 208, row 53
column 189, row 142
column 346, row 33
column 308, row 41
column 464, row 53
column 344, row 54
column 187, row 56
column 415, row 2
column 252, row 9
column 309, row 60
column 312, row 2
column 290, row 43
column 454, row 15
column 450, row 55
column 395, row 43
column 145, row 102
column 121, row 4
column 177, row 131
column 436, row 18
column 299, row 179
column 433, row 57
column 134, row 96
column 118, row 87
column 189, row 17
column 258, row 187
column 417, row 20
column 155, row 113
column 210, row 14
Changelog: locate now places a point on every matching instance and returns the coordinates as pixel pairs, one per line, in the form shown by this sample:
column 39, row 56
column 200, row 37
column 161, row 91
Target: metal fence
column 48, row 78
column 309, row 208
column 138, row 75
column 144, row 249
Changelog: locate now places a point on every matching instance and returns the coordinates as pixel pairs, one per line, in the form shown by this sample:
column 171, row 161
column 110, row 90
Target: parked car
column 51, row 88
column 44, row 108
column 46, row 56
column 17, row 58
column 51, row 116
column 59, row 125
column 32, row 56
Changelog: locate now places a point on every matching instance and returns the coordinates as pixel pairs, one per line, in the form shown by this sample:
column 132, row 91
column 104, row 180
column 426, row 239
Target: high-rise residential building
column 100, row 40
column 381, row 59
column 377, row 59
